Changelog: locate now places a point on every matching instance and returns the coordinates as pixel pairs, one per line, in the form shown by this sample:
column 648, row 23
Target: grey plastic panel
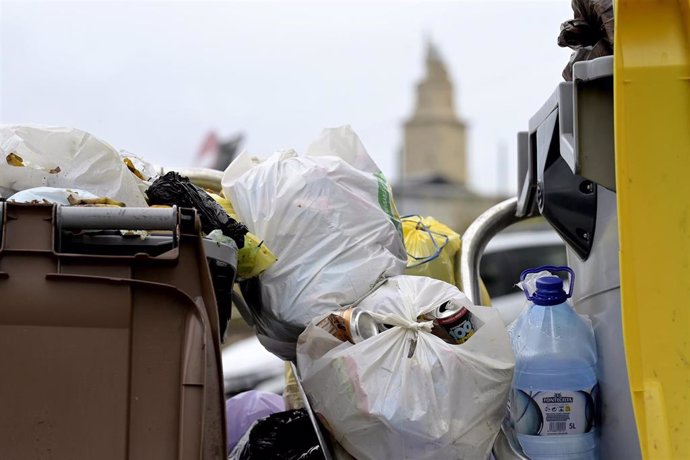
column 594, row 69
column 526, row 178
column 566, row 126
column 597, row 294
column 544, row 111
column 585, row 117
column 544, row 139
column 224, row 252
column 593, row 121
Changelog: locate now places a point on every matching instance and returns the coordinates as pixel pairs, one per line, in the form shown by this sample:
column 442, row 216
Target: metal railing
column 474, row 241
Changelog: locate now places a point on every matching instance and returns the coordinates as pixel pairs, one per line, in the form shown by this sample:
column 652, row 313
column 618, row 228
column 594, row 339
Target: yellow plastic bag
column 224, row 203
column 291, row 394
column 433, row 250
column 254, row 258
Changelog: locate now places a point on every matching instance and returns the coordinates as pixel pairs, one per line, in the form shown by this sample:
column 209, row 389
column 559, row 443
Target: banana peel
column 14, row 160
column 133, row 169
column 96, row 202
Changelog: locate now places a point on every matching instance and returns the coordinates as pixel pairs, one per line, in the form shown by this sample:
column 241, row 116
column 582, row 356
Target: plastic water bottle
column 554, row 397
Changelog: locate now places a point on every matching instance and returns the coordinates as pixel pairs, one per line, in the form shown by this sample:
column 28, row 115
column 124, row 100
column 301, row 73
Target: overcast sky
column 155, row 77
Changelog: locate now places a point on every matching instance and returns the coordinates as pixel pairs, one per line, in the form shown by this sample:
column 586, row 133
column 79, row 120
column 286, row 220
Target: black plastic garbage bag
column 173, row 189
column 285, row 435
column 589, row 33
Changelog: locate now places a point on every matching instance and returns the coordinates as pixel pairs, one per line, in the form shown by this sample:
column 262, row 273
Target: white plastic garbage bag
column 65, row 158
column 146, row 171
column 330, row 219
column 445, row 402
column 51, row 195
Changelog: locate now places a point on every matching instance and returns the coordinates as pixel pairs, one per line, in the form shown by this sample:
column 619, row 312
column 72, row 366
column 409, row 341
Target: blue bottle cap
column 549, row 291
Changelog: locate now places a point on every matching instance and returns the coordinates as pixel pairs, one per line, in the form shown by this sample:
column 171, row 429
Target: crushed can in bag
column 334, row 324
column 352, row 325
column 451, row 321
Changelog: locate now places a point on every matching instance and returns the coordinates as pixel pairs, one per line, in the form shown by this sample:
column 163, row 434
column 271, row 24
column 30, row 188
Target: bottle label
column 550, row 412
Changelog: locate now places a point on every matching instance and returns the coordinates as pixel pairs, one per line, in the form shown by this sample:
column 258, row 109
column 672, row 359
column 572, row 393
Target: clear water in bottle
column 554, row 397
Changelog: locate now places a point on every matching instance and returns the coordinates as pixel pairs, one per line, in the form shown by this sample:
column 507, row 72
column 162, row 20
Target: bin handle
column 552, row 269
column 85, row 218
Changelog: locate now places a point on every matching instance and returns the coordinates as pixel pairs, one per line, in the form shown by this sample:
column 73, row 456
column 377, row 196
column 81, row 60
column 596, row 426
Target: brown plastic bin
column 111, row 356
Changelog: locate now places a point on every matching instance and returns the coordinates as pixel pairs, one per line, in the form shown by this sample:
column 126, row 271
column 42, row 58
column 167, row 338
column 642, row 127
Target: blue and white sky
column 154, row 77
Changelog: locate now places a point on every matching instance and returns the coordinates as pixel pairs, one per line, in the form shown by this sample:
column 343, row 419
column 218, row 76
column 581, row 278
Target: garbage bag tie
column 401, row 321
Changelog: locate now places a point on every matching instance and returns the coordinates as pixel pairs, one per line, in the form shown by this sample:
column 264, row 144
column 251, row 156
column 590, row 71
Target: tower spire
column 434, row 136
column 432, row 52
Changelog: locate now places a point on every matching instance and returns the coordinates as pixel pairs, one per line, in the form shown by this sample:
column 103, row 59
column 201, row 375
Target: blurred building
column 218, row 154
column 434, row 157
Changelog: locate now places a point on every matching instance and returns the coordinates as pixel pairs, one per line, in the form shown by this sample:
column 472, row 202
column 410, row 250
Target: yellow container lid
column 652, row 137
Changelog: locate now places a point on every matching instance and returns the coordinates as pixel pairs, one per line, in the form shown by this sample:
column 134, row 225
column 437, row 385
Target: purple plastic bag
column 243, row 409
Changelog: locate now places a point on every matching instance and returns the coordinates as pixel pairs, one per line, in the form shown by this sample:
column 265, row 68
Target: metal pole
column 475, row 239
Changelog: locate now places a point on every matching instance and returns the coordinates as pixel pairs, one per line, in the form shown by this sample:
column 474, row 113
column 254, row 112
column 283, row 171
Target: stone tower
column 434, row 172
column 434, row 136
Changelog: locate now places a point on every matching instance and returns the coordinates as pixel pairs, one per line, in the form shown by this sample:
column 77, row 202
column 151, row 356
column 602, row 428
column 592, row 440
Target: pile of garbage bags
column 356, row 299
column 47, row 164
column 40, row 156
column 395, row 360
column 330, row 217
column 287, row 435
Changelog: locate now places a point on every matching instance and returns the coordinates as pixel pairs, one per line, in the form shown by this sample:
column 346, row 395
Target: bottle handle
column 552, row 269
